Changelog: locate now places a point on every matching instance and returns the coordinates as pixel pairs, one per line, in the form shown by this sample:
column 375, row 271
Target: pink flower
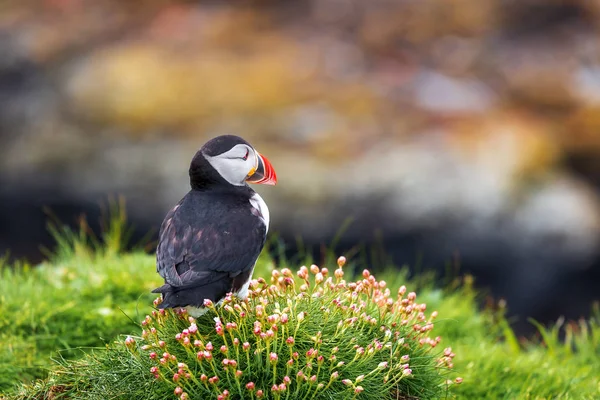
column 303, row 273
column 259, row 310
column 319, row 277
column 230, row 326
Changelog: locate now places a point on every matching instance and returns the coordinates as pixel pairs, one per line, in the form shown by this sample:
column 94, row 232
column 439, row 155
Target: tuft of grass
column 310, row 338
column 494, row 365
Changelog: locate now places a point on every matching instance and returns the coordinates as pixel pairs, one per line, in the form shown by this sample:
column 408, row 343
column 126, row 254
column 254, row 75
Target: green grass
column 494, row 365
column 314, row 340
column 89, row 294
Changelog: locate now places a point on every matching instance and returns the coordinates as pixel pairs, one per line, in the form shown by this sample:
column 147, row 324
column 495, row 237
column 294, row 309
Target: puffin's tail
column 194, row 295
column 166, row 291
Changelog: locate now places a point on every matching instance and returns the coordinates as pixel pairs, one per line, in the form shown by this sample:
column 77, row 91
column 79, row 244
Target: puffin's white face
column 235, row 165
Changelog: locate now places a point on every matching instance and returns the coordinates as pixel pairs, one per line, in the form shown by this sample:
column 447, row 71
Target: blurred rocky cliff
column 442, row 128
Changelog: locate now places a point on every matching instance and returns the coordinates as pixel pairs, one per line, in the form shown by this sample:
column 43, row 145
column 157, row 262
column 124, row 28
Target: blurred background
column 440, row 132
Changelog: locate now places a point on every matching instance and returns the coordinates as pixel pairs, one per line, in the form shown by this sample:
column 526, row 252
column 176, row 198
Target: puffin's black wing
column 207, row 247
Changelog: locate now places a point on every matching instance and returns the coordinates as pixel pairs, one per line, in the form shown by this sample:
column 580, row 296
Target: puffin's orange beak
column 264, row 172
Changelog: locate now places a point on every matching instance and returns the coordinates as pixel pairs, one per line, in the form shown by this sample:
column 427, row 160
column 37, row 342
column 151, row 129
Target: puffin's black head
column 229, row 160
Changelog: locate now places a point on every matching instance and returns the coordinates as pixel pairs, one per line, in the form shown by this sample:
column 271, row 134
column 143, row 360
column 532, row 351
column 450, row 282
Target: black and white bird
column 209, row 242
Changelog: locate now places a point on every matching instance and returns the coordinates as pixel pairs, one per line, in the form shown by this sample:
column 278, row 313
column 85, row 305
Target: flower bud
column 319, row 278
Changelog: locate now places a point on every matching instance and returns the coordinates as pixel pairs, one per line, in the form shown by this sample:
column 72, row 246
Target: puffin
column 210, row 240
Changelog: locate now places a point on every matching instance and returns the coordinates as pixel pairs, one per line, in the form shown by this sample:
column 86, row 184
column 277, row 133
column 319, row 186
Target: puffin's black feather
column 208, row 245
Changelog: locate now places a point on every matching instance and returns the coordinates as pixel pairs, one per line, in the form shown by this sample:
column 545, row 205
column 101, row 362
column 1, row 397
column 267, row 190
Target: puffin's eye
column 246, row 156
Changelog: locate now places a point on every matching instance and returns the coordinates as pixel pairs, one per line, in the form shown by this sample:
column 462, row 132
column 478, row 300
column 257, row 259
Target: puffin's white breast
column 261, row 207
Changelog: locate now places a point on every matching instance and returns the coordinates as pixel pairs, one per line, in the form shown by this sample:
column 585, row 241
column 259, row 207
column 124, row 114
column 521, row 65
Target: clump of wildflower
column 315, row 335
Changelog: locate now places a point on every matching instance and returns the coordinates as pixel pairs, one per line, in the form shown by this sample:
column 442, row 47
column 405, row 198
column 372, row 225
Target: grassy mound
column 312, row 337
